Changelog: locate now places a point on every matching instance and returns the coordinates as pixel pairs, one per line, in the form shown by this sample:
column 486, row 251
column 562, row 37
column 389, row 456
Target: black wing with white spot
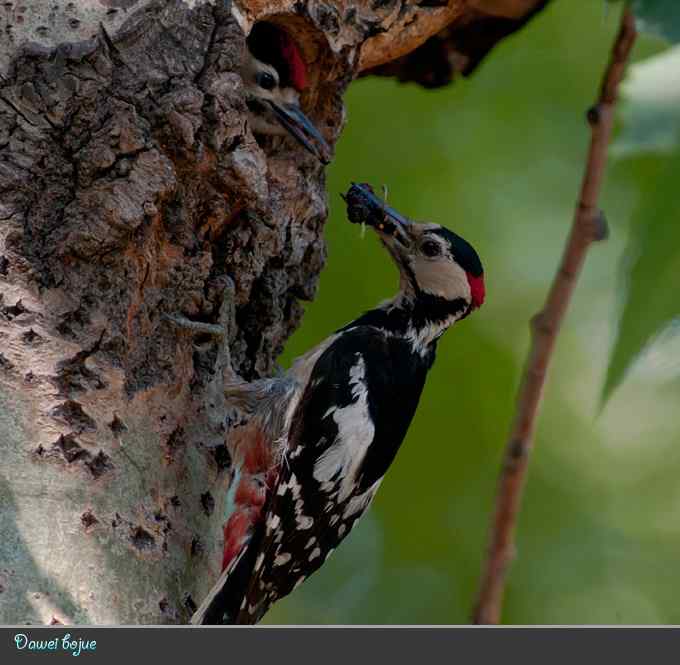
column 345, row 432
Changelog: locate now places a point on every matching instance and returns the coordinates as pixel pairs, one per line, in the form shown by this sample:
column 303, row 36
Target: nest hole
column 286, row 66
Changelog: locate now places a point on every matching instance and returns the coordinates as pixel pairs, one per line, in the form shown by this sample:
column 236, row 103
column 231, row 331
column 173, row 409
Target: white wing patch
column 273, row 522
column 355, row 434
column 304, row 522
column 358, row 504
column 282, row 559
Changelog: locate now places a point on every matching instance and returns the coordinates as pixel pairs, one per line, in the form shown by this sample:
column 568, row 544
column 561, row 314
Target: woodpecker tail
column 251, row 447
column 223, row 603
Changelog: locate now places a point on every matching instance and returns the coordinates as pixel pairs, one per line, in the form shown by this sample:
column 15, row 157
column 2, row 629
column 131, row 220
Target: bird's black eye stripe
column 431, row 248
column 265, row 80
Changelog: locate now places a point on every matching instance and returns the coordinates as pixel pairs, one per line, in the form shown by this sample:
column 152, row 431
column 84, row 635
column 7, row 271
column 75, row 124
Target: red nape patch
column 477, row 290
column 297, row 70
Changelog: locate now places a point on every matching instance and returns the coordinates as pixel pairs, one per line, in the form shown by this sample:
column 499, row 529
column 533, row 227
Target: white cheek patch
column 442, row 278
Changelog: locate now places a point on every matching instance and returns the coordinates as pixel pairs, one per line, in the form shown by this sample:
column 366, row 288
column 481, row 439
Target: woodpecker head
column 274, row 74
column 434, row 263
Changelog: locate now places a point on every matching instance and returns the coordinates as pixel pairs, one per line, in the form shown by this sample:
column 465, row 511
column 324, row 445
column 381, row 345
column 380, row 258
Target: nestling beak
column 301, row 127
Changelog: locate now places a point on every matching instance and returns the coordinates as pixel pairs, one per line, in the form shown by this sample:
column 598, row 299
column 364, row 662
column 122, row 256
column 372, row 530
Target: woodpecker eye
column 431, row 248
column 265, row 80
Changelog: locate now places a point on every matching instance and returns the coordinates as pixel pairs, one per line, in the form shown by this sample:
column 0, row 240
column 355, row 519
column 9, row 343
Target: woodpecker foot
column 199, row 327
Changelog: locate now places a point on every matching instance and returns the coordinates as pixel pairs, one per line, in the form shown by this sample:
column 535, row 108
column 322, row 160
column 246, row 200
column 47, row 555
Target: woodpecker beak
column 300, row 126
column 364, row 207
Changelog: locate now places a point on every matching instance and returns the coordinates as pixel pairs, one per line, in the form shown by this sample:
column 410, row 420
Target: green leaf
column 650, row 111
column 658, row 17
column 652, row 294
column 650, row 105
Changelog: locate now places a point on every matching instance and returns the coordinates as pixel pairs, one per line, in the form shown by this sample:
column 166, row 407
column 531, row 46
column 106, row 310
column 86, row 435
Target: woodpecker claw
column 198, row 327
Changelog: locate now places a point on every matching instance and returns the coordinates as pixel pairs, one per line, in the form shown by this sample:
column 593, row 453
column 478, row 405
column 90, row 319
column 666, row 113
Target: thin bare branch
column 588, row 226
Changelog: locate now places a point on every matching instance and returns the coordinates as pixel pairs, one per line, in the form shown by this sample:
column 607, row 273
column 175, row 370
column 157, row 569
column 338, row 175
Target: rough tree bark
column 131, row 188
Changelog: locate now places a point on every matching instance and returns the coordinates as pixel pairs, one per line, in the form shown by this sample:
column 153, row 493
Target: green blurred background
column 498, row 158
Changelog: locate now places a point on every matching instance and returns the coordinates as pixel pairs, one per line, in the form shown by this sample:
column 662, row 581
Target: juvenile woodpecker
column 319, row 440
column 274, row 74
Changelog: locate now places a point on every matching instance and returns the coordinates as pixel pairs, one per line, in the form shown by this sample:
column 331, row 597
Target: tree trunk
column 133, row 191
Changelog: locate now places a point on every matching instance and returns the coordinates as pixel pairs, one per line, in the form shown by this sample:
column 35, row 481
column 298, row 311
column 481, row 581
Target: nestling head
column 274, row 75
column 432, row 261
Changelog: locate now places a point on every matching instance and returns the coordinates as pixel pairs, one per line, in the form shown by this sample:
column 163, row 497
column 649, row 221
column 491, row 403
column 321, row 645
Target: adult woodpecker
column 274, row 74
column 319, row 440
